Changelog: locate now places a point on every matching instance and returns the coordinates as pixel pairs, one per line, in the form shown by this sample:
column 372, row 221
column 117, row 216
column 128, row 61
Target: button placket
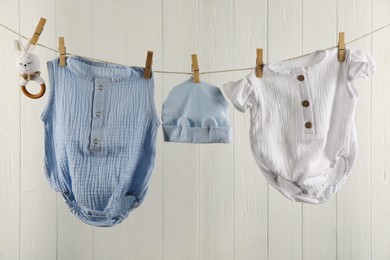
column 307, row 111
column 97, row 116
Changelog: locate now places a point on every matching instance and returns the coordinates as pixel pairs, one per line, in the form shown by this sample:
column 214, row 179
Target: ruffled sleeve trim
column 360, row 65
column 240, row 93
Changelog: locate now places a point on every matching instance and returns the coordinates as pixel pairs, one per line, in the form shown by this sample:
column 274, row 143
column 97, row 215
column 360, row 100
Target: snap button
column 301, row 77
column 97, row 114
column 308, row 125
column 305, row 103
column 95, row 141
column 100, row 87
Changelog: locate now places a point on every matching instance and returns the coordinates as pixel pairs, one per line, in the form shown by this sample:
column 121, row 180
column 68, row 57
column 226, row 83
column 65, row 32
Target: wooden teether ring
column 34, row 96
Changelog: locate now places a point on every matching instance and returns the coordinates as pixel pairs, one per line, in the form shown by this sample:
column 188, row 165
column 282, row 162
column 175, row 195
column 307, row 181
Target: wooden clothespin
column 195, row 68
column 341, row 46
column 38, row 31
column 148, row 65
column 62, row 50
column 259, row 63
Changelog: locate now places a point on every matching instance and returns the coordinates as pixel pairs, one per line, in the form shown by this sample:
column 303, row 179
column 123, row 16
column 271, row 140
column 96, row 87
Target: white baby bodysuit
column 303, row 133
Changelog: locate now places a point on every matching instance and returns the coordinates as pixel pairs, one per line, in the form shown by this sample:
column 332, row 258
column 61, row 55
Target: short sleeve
column 360, row 65
column 240, row 93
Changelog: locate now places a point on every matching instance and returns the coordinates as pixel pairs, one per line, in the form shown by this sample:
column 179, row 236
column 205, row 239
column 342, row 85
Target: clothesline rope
column 186, row 73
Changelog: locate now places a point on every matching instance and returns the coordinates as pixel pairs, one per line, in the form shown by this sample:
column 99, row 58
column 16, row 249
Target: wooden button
column 301, row 77
column 308, row 125
column 305, row 103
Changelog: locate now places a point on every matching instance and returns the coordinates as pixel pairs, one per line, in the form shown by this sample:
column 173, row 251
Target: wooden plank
column 380, row 125
column 75, row 238
column 9, row 136
column 249, row 185
column 216, row 160
column 353, row 200
column 319, row 221
column 180, row 161
column 38, row 234
column 284, row 216
column 146, row 224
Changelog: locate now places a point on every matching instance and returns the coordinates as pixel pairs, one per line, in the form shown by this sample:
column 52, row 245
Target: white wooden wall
column 205, row 201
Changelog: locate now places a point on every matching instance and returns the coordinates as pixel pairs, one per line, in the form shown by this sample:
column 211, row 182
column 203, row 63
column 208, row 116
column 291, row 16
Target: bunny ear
column 29, row 47
column 18, row 46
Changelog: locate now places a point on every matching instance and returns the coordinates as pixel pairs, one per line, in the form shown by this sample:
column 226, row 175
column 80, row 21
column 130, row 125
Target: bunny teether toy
column 28, row 66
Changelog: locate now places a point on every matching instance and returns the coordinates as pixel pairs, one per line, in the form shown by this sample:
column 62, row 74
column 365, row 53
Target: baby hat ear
column 18, row 46
column 209, row 122
column 183, row 122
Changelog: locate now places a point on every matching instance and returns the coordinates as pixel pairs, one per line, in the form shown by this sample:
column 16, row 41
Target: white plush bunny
column 28, row 66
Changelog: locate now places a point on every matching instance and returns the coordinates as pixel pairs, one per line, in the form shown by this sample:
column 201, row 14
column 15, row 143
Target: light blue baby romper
column 196, row 113
column 100, row 127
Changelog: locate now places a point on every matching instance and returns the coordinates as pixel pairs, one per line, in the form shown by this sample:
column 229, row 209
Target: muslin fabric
column 303, row 133
column 100, row 127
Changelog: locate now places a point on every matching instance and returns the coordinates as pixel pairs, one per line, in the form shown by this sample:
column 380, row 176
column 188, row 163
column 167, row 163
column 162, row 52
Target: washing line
column 180, row 72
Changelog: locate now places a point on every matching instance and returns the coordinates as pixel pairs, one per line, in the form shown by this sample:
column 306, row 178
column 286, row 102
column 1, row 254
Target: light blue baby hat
column 196, row 113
